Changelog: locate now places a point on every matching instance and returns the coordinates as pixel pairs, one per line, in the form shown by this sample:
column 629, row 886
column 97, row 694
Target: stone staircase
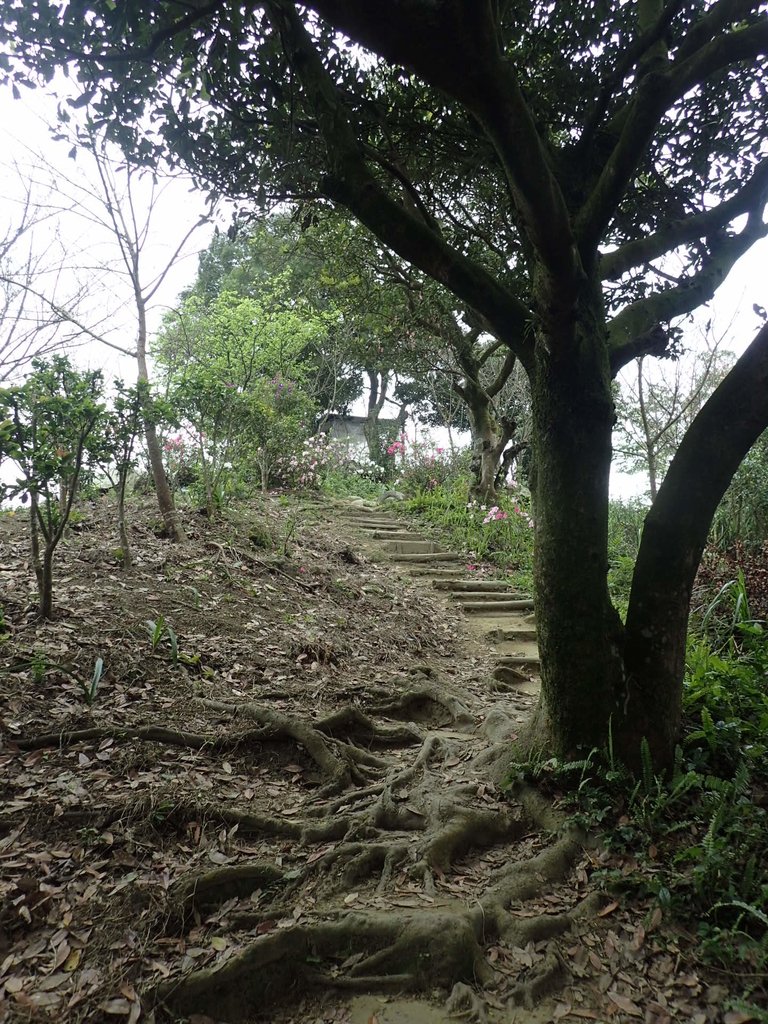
column 503, row 617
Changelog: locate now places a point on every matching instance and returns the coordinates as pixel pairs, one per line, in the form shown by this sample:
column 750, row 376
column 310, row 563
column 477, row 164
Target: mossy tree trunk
column 579, row 631
column 491, row 431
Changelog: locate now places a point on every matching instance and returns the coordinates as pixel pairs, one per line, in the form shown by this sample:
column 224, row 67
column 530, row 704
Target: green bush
column 742, row 516
column 501, row 534
column 625, row 527
column 695, row 839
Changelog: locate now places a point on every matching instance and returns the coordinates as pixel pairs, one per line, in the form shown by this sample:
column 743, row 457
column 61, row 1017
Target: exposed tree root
column 200, row 893
column 339, row 771
column 416, row 952
column 352, row 724
column 178, row 813
column 464, row 827
column 148, row 733
column 545, row 979
column 383, row 822
column 364, row 859
column 425, row 704
column 464, row 1001
column 413, row 951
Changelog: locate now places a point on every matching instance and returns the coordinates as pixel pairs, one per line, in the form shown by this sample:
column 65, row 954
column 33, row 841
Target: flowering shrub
column 494, row 514
column 181, row 461
column 422, row 466
column 323, row 460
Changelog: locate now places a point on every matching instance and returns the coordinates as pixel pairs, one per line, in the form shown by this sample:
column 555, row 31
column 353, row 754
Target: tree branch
column 655, row 93
column 351, row 183
column 630, row 57
column 641, row 316
column 161, row 36
column 709, row 26
column 453, row 46
column 728, row 48
column 505, row 371
column 652, row 342
column 751, row 198
column 676, row 528
column 64, row 316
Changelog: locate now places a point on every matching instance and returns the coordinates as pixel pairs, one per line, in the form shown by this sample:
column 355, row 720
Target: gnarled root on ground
column 342, row 765
column 358, row 951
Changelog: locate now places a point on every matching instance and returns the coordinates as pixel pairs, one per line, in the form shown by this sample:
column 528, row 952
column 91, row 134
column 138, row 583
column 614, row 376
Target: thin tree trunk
column 121, row 524
column 162, row 488
column 46, row 589
column 650, row 440
column 206, row 471
column 37, row 562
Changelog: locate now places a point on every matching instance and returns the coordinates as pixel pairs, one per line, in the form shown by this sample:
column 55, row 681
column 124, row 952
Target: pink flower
column 471, row 568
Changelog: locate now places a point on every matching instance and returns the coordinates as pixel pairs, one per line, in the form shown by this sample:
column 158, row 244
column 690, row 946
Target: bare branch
column 64, row 315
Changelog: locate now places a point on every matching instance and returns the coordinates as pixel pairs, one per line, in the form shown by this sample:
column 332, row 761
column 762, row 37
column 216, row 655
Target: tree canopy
column 476, row 140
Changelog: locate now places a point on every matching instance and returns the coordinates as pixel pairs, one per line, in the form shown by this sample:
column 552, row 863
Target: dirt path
column 284, row 811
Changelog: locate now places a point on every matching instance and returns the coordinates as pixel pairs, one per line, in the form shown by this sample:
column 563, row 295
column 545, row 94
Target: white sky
column 24, row 129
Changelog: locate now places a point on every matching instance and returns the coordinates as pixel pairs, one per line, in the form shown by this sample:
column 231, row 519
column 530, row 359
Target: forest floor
column 281, row 803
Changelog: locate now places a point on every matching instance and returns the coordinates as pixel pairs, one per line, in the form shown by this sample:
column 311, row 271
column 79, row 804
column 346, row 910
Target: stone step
column 490, row 597
column 494, row 607
column 522, row 682
column 433, row 573
column 410, row 547
column 426, row 557
column 376, row 524
column 519, row 661
column 395, row 534
column 502, row 636
column 517, row 649
column 487, row 586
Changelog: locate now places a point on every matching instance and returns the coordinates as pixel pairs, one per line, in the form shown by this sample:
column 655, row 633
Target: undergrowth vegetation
column 500, row 533
column 694, row 841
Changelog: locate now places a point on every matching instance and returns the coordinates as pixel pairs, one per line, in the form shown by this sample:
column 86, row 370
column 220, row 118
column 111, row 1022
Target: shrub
column 625, row 528
column 331, row 464
column 501, row 534
column 695, row 840
column 423, row 466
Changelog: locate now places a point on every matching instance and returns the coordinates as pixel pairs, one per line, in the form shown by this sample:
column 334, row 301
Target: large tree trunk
column 674, row 536
column 579, row 631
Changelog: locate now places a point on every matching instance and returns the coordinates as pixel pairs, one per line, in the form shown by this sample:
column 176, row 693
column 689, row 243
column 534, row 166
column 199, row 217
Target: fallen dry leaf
column 625, row 1004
